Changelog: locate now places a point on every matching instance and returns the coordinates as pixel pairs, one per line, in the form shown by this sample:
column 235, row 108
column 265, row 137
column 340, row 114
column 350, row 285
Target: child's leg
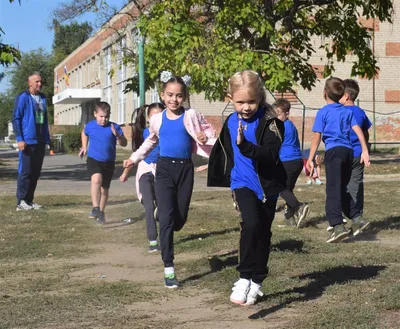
column 334, row 160
column 355, row 190
column 146, row 187
column 254, row 253
column 185, row 189
column 95, row 189
column 108, row 172
column 293, row 170
column 103, row 198
column 167, row 204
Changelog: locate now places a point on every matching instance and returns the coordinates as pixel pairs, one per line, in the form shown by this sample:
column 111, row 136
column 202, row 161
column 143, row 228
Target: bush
column 72, row 139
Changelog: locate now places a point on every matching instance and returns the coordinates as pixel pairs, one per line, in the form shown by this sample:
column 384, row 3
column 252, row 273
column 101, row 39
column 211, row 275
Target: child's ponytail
column 138, row 123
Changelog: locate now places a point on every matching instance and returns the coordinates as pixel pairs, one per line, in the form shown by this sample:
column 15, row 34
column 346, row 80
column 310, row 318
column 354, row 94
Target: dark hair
column 351, row 88
column 179, row 80
column 103, row 106
column 140, row 116
column 282, row 104
column 334, row 88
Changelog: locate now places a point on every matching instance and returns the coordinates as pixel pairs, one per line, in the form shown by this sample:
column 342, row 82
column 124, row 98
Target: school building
column 83, row 79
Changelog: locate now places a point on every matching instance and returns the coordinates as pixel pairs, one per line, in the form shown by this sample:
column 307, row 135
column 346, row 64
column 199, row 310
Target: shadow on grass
column 289, row 245
column 121, row 223
column 206, row 235
column 320, row 281
column 389, row 223
column 315, row 221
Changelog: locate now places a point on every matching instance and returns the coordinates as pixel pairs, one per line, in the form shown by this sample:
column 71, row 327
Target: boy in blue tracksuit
column 31, row 129
column 356, row 185
column 333, row 123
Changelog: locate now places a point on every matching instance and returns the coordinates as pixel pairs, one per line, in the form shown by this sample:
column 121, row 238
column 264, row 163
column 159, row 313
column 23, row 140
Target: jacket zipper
column 264, row 197
column 226, row 158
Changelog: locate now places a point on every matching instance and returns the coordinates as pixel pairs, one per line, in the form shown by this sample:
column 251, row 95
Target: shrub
column 72, row 139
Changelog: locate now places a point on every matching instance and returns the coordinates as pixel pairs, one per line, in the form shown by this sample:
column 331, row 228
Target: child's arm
column 202, row 168
column 313, row 149
column 124, row 176
column 364, row 147
column 84, row 140
column 120, row 138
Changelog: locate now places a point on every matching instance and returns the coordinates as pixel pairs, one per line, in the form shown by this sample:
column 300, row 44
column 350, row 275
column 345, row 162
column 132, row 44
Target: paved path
column 67, row 174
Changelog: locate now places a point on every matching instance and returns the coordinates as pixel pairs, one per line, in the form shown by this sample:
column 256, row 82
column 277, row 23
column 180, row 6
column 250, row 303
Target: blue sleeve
column 319, row 123
column 17, row 117
column 146, row 133
column 86, row 129
column 46, row 125
column 353, row 120
column 367, row 124
column 119, row 130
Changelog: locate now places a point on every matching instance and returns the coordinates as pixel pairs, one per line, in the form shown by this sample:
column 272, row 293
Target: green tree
column 8, row 53
column 68, row 37
column 34, row 61
column 6, row 108
column 212, row 39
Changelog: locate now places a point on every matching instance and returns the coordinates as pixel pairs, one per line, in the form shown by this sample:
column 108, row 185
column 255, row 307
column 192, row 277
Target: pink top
column 194, row 123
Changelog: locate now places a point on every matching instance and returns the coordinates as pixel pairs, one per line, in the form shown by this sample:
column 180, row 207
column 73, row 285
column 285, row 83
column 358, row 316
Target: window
column 107, row 91
column 121, row 81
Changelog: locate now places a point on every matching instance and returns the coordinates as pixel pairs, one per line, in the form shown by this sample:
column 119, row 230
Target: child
column 315, row 174
column 334, row 122
column 178, row 131
column 145, row 173
column 290, row 155
column 102, row 136
column 356, row 186
column 246, row 158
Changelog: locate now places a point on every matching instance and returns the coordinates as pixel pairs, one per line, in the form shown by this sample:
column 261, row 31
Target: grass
column 311, row 284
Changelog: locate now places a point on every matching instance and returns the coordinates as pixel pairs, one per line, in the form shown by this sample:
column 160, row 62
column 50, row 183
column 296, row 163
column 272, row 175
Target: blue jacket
column 24, row 121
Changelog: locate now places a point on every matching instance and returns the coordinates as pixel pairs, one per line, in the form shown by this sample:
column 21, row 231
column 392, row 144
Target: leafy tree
column 68, row 37
column 34, row 61
column 212, row 39
column 6, row 108
column 8, row 53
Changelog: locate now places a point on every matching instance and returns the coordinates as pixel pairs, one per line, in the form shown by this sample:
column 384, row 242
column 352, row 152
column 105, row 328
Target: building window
column 121, row 81
column 107, row 91
column 135, row 101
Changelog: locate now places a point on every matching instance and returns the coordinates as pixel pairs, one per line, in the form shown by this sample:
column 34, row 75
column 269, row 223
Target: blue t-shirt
column 174, row 140
column 363, row 122
column 334, row 121
column 244, row 172
column 290, row 149
column 155, row 152
column 102, row 142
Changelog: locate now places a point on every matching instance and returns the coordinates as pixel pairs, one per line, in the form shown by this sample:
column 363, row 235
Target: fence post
column 302, row 128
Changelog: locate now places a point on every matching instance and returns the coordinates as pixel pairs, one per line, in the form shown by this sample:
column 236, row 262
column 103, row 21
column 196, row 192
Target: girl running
column 246, row 158
column 179, row 131
column 145, row 172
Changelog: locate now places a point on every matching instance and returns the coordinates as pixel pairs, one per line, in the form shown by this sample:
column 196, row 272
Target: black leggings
column 293, row 170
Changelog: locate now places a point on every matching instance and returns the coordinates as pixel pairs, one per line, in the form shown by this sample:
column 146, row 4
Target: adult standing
column 31, row 128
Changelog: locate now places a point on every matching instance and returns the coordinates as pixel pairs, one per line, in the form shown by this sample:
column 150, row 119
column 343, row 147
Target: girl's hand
column 365, row 159
column 240, row 135
column 127, row 163
column 202, row 168
column 123, row 178
column 202, row 137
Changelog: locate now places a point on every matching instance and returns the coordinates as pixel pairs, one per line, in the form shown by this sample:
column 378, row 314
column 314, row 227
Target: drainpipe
column 373, row 86
column 142, row 91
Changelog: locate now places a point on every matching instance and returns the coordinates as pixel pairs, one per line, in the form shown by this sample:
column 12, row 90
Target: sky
column 26, row 25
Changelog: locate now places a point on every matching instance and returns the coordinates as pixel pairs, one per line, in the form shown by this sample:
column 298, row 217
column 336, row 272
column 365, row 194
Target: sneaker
column 318, row 182
column 330, row 228
column 288, row 222
column 101, row 220
column 35, row 206
column 338, row 233
column 154, row 248
column 171, row 281
column 302, row 214
column 358, row 225
column 254, row 292
column 23, row 206
column 309, row 182
column 239, row 291
column 94, row 213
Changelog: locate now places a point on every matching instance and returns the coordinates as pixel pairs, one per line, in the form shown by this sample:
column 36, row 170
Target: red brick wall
column 392, row 96
column 392, row 48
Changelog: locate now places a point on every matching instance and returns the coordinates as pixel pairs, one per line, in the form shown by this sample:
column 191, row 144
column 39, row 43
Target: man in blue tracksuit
column 31, row 128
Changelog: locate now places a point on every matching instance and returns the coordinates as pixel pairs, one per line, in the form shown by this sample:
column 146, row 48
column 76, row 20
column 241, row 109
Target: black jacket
column 269, row 167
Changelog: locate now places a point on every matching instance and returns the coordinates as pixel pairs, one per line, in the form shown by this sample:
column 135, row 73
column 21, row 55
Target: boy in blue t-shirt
column 356, row 185
column 102, row 136
column 333, row 123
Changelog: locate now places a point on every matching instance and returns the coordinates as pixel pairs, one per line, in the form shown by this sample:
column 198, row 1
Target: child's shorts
column 106, row 169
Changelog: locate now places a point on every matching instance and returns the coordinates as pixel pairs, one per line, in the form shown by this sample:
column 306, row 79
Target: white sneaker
column 254, row 292
column 35, row 206
column 330, row 228
column 239, row 291
column 23, row 206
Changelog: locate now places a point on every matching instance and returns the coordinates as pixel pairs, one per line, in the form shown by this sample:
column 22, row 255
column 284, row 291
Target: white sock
column 169, row 270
